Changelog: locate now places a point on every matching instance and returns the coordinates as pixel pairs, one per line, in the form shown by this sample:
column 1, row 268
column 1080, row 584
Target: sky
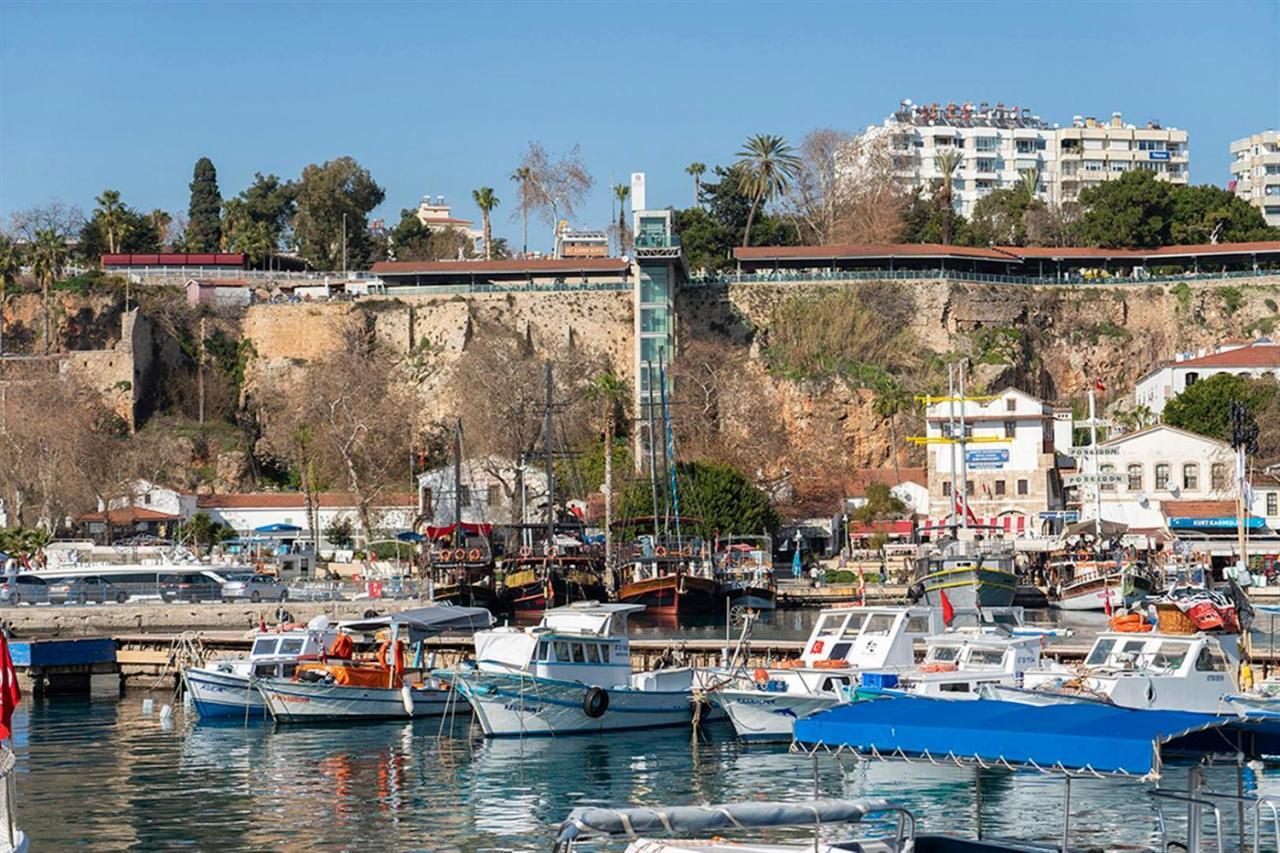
column 443, row 98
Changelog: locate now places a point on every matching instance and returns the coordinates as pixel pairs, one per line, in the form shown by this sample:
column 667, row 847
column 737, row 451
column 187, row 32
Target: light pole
column 344, row 244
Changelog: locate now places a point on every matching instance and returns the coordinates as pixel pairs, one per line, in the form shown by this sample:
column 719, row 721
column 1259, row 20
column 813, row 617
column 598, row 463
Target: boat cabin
column 292, row 644
column 864, row 637
column 585, row 642
column 956, row 665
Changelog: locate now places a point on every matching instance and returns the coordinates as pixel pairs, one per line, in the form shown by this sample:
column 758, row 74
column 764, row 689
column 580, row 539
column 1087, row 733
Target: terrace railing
column 818, row 276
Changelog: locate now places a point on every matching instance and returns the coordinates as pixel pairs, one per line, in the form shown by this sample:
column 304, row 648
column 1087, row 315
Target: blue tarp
column 410, row 536
column 278, row 528
column 1084, row 736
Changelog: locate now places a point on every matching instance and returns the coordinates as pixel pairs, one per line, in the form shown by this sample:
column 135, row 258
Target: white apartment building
column 998, row 145
column 1255, row 173
column 1256, row 359
column 1010, row 461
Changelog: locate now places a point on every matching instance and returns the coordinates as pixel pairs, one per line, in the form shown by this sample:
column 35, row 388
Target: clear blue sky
column 443, row 98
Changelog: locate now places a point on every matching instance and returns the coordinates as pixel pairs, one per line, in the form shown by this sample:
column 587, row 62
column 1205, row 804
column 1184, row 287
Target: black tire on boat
column 596, row 702
column 370, row 614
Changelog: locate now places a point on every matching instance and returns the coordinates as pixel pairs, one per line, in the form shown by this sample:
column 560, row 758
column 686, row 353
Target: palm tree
column 486, row 201
column 947, row 162
column 1029, row 183
column 522, row 176
column 696, row 169
column 767, row 167
column 611, row 392
column 890, row 400
column 621, row 192
column 112, row 211
column 47, row 260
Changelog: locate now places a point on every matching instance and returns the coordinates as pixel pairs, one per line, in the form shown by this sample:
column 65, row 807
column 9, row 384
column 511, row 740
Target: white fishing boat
column 966, row 574
column 958, row 664
column 1155, row 671
column 763, row 704
column 569, row 674
column 390, row 686
column 225, row 687
column 1099, row 585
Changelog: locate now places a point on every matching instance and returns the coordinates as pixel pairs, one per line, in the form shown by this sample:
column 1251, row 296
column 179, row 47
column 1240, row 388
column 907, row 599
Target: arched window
column 1162, row 475
column 1135, row 477
column 1218, row 476
column 1108, row 469
column 1191, row 477
column 1190, row 379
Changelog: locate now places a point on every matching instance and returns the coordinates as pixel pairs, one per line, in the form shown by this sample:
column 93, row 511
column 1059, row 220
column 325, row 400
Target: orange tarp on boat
column 352, row 675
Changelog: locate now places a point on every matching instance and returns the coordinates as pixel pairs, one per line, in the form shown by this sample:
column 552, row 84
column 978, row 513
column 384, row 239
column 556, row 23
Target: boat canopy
column 633, row 822
column 278, row 527
column 410, row 536
column 1074, row 738
column 423, row 622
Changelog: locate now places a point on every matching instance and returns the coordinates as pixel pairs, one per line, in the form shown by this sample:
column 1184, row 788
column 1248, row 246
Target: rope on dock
column 186, row 650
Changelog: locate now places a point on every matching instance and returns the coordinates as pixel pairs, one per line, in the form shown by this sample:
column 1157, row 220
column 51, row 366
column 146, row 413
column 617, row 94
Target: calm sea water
column 101, row 775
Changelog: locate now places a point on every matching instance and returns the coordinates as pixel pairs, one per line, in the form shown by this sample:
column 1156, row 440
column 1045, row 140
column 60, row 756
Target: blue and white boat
column 225, row 687
column 570, row 674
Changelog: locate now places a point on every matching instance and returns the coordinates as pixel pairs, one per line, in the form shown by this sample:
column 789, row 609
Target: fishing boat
column 967, row 574
column 1151, row 670
column 459, row 557
column 570, row 674
column 763, row 704
column 389, row 686
column 670, row 578
column 1099, row 585
column 746, row 573
column 225, row 687
column 958, row 664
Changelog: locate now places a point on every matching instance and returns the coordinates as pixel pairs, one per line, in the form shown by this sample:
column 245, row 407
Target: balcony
column 654, row 245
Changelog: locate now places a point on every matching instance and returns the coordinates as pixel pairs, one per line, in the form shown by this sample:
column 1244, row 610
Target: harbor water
column 104, row 775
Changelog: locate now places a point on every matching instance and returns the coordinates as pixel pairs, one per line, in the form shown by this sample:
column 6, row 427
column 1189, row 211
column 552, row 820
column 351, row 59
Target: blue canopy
column 278, row 528
column 410, row 536
column 1086, row 737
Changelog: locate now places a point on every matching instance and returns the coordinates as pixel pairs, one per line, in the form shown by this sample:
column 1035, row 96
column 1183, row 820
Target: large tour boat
column 670, row 578
column 746, row 573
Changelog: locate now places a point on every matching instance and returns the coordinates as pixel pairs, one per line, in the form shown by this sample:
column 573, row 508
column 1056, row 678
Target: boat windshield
column 944, row 654
column 1101, row 651
column 833, row 625
column 291, row 646
column 263, row 646
column 878, row 624
column 985, row 657
column 1169, row 655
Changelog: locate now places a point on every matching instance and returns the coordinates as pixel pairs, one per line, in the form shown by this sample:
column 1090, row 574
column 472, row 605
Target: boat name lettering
column 299, row 699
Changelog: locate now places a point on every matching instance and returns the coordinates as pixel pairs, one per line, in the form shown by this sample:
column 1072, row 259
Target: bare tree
column 871, row 200
column 818, row 198
column 63, row 219
column 553, row 187
column 1053, row 224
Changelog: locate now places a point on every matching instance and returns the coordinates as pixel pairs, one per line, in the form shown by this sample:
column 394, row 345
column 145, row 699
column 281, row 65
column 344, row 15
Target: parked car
column 24, row 589
column 253, row 586
column 190, row 587
column 92, row 589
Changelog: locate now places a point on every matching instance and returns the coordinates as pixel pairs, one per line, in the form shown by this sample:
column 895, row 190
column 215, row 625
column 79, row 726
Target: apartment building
column 1257, row 359
column 1255, row 173
column 997, row 147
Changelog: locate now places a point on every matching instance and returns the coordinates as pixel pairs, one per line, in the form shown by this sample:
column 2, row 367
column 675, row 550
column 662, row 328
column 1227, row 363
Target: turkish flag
column 948, row 612
column 10, row 692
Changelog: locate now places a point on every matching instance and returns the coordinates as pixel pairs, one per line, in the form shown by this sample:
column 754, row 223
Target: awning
column 423, row 622
column 278, row 528
column 897, row 527
column 1078, row 737
column 409, row 536
column 1011, row 523
column 1087, row 527
column 467, row 527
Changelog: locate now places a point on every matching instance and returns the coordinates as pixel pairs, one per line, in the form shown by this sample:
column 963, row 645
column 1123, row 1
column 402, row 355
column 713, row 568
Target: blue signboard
column 1157, row 155
column 1068, row 515
column 979, row 459
column 1218, row 523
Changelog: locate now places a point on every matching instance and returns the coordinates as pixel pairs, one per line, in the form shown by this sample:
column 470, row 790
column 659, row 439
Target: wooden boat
column 971, row 574
column 1100, row 584
column 672, row 581
column 746, row 573
column 536, row 582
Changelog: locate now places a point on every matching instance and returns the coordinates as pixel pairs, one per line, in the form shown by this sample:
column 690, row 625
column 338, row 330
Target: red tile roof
column 296, row 500
column 1198, row 509
column 890, row 250
column 129, row 515
column 530, row 265
column 1256, row 355
column 860, row 478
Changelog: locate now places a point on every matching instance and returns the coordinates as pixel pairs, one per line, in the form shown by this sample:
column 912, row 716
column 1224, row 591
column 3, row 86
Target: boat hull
column 673, row 595
column 300, row 702
column 466, row 595
column 758, row 715
column 223, row 694
column 968, row 588
column 751, row 597
column 511, row 705
column 1092, row 599
column 532, row 597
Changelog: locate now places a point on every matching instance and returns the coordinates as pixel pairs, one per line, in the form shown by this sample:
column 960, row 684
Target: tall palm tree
column 486, row 200
column 947, row 163
column 522, row 176
column 611, row 392
column 621, row 192
column 1029, row 183
column 696, row 169
column 47, row 260
column 111, row 210
column 767, row 166
column 890, row 401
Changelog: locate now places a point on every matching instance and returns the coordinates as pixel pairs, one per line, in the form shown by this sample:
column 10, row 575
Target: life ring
column 660, row 551
column 1130, row 623
column 938, row 667
column 762, row 675
column 596, row 702
column 474, row 555
column 382, row 653
column 525, row 551
column 460, row 555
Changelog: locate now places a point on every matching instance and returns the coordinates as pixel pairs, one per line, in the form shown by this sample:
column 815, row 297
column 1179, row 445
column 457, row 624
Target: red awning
column 1007, row 523
column 467, row 527
column 900, row 527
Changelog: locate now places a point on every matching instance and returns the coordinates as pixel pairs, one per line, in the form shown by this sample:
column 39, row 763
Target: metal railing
column 827, row 275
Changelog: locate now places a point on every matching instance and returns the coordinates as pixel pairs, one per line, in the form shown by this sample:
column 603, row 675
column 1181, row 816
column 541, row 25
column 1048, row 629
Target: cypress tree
column 204, row 226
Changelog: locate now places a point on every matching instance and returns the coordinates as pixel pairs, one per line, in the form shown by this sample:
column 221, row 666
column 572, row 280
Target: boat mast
column 551, row 473
column 1097, row 472
column 951, row 430
column 457, row 483
column 669, row 449
column 964, row 458
column 653, row 461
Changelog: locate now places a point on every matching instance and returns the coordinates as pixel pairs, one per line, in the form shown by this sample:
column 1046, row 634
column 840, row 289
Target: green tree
column 326, row 193
column 204, row 222
column 768, row 166
column 161, row 221
column 720, row 496
column 999, row 218
column 257, row 221
column 340, row 533
column 110, row 212
column 203, row 532
column 523, row 176
column 611, row 393
column 1132, row 211
column 947, row 162
column 622, row 192
column 881, row 504
column 1209, row 214
column 242, row 233
column 486, row 200
column 48, row 258
column 891, row 400
column 696, row 170
column 1205, row 407
column 922, row 221
column 135, row 232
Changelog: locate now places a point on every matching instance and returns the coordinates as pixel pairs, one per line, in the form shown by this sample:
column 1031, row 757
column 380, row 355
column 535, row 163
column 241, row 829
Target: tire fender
column 596, row 702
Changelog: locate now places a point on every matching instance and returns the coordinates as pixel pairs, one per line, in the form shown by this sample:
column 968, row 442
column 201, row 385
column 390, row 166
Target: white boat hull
column 1093, row 600
column 763, row 716
column 526, row 706
column 223, row 694
column 295, row 702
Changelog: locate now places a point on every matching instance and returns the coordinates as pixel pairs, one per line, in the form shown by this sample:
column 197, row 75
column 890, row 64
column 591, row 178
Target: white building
column 246, row 513
column 1255, row 173
column 1010, row 461
column 1090, row 152
column 1255, row 359
column 437, row 215
column 491, row 493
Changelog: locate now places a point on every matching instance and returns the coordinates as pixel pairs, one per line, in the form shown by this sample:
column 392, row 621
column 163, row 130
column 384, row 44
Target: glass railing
column 657, row 241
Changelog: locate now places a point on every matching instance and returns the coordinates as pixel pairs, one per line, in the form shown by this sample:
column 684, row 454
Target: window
column 579, row 656
column 1010, row 429
column 1022, row 487
column 1210, row 660
column 1169, row 656
column 1191, row 379
column 944, row 654
column 1151, row 145
column 1010, row 405
column 999, row 487
column 879, row 624
column 986, row 143
column 1135, row 477
column 543, row 649
column 291, row 646
column 1271, row 504
column 1218, row 476
column 918, row 625
column 562, row 651
column 968, row 488
column 1119, row 166
column 495, row 495
column 1118, row 144
column 1191, row 476
column 986, row 164
column 1107, row 469
column 1162, row 475
column 1093, row 144
column 263, row 646
column 1101, row 650
column 946, row 488
column 1093, row 165
column 593, row 653
column 464, row 496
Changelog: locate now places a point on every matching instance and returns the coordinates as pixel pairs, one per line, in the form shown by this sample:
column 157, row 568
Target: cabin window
column 1210, row 660
column 543, row 648
column 954, row 687
column 264, row 646
column 1170, row 655
column 986, row 657
column 918, row 625
column 1162, row 475
column 1218, row 476
column 1191, row 476
column 287, row 670
column 945, row 654
column 839, row 651
column 879, row 623
column 593, row 653
column 291, row 646
column 562, row 652
column 604, row 654
column 579, row 655
column 1272, row 502
column 1135, row 477
column 1101, row 650
column 265, row 670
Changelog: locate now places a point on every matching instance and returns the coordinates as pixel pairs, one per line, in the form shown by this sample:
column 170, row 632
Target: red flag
column 1106, row 600
column 1097, row 383
column 10, row 692
column 948, row 612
